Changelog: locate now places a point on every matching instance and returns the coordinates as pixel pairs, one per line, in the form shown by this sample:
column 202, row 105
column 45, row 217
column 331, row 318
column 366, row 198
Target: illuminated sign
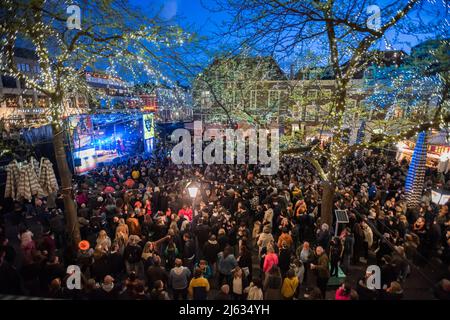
column 149, row 126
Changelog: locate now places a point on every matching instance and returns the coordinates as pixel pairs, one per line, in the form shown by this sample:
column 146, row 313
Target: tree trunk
column 70, row 212
column 326, row 212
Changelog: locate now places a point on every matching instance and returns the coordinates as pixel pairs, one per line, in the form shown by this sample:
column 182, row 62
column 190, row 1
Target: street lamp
column 192, row 189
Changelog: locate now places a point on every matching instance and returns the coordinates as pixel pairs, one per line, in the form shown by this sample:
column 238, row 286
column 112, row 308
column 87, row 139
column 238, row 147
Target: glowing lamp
column 192, row 189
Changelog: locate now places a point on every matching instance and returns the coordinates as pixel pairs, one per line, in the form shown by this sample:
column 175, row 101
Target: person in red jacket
column 185, row 212
column 343, row 292
column 270, row 260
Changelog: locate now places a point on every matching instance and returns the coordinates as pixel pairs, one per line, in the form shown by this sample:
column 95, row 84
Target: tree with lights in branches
column 344, row 34
column 112, row 35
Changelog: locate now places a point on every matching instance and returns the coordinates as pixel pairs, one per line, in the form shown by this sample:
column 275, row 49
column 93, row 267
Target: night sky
column 193, row 15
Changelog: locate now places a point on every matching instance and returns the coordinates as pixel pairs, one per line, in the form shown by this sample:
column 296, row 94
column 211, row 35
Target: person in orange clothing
column 133, row 225
column 286, row 237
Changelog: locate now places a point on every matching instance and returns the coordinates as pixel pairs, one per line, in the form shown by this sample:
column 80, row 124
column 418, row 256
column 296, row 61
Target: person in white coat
column 368, row 238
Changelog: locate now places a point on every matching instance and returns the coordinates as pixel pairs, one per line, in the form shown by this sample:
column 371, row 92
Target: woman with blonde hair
column 122, row 231
column 132, row 256
column 264, row 238
column 103, row 241
column 148, row 253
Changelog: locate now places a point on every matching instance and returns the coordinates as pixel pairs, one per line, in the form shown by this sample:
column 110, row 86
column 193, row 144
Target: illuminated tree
column 235, row 88
column 111, row 36
column 343, row 35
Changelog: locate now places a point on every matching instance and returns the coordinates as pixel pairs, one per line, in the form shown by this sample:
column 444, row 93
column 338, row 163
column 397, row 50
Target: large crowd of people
column 244, row 236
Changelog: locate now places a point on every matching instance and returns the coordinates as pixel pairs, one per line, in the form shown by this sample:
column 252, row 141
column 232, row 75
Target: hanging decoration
column 416, row 172
column 27, row 179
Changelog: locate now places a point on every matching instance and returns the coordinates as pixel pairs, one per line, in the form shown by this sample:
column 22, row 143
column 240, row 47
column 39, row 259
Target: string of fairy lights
column 62, row 68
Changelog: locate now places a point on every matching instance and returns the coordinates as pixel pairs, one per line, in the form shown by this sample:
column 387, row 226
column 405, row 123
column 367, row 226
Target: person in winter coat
column 347, row 254
column 198, row 286
column 245, row 261
column 365, row 293
column 441, row 290
column 100, row 268
column 343, row 292
column 158, row 292
column 122, row 231
column 133, row 225
column 368, row 239
column 306, row 255
column 323, row 273
column 226, row 263
column 188, row 252
column 222, row 239
column 324, row 237
column 224, row 293
column 254, row 290
column 270, row 259
column 132, row 256
column 336, row 251
column 265, row 238
column 238, row 284
column 108, row 290
column 103, row 242
column 27, row 245
column 284, row 259
column 171, row 253
column 210, row 250
column 272, row 284
column 290, row 285
column 156, row 272
column 393, row 292
column 285, row 237
column 179, row 280
column 115, row 261
column 205, row 268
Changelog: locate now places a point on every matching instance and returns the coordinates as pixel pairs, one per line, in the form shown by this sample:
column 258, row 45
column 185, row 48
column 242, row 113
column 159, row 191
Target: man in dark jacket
column 323, row 272
column 115, row 261
column 210, row 250
column 108, row 290
column 156, row 272
column 188, row 253
column 202, row 231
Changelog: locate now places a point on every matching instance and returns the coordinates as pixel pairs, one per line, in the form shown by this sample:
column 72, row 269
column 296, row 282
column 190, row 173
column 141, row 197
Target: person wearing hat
column 85, row 255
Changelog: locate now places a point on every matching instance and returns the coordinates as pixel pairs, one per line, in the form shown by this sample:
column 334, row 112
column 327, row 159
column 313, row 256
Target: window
column 351, row 103
column 296, row 111
column 326, row 93
column 9, row 82
column 310, row 113
column 312, row 94
column 274, row 98
column 205, row 99
column 253, row 99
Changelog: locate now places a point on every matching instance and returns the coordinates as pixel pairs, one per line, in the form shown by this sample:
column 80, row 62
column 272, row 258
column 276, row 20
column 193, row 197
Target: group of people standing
column 243, row 236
